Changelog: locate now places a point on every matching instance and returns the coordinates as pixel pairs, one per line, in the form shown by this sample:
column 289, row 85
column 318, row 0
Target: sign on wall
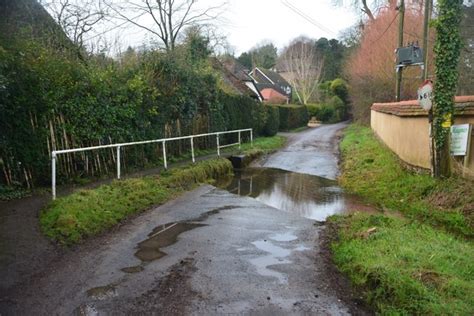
column 425, row 94
column 460, row 139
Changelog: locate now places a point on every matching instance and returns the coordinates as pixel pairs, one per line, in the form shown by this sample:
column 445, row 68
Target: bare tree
column 76, row 17
column 302, row 66
column 169, row 17
column 364, row 5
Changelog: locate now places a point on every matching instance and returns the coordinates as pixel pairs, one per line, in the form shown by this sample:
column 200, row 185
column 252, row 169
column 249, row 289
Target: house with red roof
column 273, row 87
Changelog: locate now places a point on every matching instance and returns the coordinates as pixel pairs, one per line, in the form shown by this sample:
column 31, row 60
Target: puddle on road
column 306, row 195
column 283, row 237
column 161, row 237
column 166, row 235
column 276, row 255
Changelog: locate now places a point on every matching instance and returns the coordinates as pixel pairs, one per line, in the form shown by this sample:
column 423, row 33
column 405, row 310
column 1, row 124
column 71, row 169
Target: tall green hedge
column 50, row 100
column 292, row 116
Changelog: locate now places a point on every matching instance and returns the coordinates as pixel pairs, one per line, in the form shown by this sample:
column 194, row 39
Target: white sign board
column 459, row 139
column 425, row 93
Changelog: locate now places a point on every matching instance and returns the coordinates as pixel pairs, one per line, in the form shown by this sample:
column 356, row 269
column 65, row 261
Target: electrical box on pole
column 411, row 55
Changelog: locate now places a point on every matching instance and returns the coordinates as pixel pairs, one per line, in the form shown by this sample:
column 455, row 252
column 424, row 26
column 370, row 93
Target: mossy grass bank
column 421, row 262
column 85, row 213
column 372, row 171
column 405, row 267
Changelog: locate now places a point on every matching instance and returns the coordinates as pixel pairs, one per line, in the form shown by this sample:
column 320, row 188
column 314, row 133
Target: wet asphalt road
column 314, row 152
column 208, row 252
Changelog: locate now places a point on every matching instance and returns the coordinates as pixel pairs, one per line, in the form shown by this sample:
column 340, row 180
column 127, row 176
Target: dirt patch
column 456, row 194
column 351, row 296
column 23, row 248
column 430, row 278
column 170, row 294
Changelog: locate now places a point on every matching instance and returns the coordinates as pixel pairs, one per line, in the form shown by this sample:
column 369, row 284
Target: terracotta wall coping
column 464, row 106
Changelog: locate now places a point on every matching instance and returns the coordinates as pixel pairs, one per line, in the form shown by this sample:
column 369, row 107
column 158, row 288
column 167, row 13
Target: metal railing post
column 118, row 162
column 118, row 146
column 53, row 174
column 164, row 155
column 251, row 138
column 192, row 150
column 240, row 144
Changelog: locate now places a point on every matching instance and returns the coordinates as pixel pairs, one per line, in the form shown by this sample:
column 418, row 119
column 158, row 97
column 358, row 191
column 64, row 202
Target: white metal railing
column 163, row 141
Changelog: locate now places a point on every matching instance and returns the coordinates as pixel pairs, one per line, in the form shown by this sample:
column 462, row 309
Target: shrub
column 292, row 116
column 312, row 109
column 242, row 112
column 339, row 88
column 331, row 112
column 325, row 90
column 325, row 113
column 339, row 108
column 272, row 122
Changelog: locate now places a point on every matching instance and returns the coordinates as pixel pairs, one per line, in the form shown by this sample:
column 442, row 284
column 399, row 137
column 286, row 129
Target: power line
column 306, row 17
column 385, row 31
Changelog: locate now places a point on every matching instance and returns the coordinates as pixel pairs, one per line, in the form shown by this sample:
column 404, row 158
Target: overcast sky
column 249, row 22
column 255, row 20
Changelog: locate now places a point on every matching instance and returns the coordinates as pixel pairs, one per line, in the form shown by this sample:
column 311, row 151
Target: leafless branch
column 76, row 17
column 170, row 17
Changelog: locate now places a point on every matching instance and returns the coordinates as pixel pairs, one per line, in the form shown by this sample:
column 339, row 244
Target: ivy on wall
column 447, row 50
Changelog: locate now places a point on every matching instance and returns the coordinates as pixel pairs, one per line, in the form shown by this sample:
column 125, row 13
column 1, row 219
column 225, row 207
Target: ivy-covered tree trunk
column 447, row 51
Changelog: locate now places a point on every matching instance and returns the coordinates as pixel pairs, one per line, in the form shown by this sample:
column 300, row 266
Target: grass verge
column 85, row 213
column 404, row 267
column 261, row 146
column 421, row 263
column 372, row 171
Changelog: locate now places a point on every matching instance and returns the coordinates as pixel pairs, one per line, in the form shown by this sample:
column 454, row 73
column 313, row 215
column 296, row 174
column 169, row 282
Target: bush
column 340, row 89
column 312, row 109
column 292, row 116
column 340, row 109
column 331, row 112
column 242, row 112
column 272, row 122
column 325, row 113
column 324, row 90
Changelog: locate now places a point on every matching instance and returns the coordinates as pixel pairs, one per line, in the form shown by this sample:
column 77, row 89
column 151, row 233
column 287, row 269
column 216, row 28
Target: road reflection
column 306, row 195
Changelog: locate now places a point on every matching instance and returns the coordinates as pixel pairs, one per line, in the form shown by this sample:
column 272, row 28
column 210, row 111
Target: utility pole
column 426, row 30
column 401, row 10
